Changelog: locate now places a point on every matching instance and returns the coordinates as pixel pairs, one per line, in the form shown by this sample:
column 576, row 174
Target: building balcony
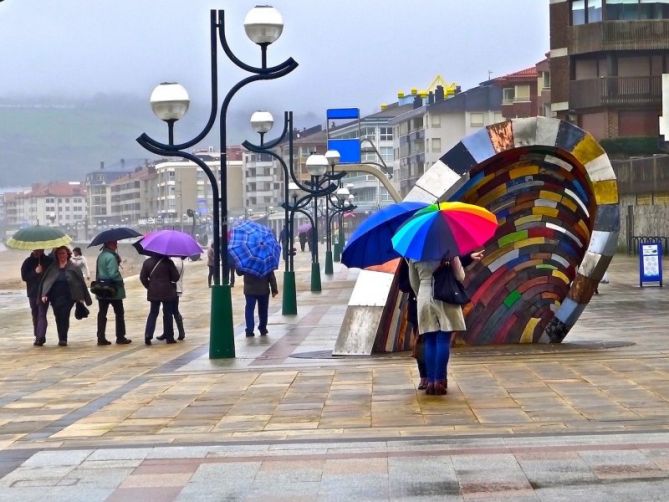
column 615, row 91
column 647, row 34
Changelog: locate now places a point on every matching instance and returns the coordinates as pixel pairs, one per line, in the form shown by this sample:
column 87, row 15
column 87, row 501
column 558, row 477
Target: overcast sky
column 351, row 52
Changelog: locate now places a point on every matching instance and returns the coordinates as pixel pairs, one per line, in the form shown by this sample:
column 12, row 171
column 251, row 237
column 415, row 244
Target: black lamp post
column 262, row 123
column 317, row 166
column 342, row 203
column 333, row 158
column 263, row 25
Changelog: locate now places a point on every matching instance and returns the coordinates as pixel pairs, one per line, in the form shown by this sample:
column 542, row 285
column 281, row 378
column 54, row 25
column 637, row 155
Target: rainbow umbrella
column 444, row 230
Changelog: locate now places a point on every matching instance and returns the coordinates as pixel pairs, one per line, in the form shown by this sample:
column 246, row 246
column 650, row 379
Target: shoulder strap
column 154, row 268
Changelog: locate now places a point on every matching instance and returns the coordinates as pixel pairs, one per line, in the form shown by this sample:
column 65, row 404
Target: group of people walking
column 59, row 280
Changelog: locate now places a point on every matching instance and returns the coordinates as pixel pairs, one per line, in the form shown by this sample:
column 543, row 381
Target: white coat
column 435, row 315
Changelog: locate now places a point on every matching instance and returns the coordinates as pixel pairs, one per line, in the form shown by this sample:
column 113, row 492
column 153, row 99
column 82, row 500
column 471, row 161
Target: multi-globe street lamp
column 263, row 25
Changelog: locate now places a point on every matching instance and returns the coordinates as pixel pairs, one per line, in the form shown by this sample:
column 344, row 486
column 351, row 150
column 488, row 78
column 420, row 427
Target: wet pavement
column 286, row 420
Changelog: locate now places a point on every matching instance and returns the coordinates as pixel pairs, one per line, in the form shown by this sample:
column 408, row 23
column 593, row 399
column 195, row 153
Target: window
column 476, row 119
column 522, row 93
column 594, row 12
column 622, row 10
column 546, row 79
column 508, row 95
column 386, row 153
column 586, row 11
column 386, row 133
column 435, row 120
column 577, row 12
column 436, row 145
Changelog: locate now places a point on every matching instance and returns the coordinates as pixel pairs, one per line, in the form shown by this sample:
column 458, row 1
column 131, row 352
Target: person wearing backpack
column 437, row 320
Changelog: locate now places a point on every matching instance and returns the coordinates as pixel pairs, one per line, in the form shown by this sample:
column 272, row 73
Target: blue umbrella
column 371, row 243
column 114, row 234
column 254, row 249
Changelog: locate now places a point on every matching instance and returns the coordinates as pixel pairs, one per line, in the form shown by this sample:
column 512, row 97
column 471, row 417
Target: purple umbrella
column 170, row 243
column 304, row 227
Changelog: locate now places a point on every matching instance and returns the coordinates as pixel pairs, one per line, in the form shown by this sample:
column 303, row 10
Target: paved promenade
column 286, row 421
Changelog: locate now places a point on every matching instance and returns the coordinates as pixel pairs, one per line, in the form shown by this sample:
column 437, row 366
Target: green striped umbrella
column 38, row 237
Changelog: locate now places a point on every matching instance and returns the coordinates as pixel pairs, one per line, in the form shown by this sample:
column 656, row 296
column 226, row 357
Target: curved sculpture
column 555, row 195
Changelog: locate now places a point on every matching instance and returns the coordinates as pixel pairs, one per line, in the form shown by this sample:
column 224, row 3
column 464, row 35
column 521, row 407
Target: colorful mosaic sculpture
column 555, row 195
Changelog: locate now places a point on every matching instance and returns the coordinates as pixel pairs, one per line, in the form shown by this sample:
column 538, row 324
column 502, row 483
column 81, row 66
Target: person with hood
column 62, row 286
column 79, row 260
column 32, row 271
column 159, row 276
column 107, row 271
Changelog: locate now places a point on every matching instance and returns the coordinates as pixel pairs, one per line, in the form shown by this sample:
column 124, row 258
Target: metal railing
column 615, row 91
column 636, row 241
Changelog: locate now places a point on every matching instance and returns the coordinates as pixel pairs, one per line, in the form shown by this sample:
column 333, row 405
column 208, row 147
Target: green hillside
column 57, row 139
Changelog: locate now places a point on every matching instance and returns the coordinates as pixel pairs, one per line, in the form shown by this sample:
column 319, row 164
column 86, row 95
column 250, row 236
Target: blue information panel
column 343, row 113
column 349, row 150
column 650, row 263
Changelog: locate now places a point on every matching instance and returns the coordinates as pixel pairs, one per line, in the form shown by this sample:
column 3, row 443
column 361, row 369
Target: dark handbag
column 103, row 289
column 446, row 288
column 80, row 311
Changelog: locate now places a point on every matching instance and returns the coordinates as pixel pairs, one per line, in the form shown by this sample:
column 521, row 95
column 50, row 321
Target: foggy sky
column 351, row 53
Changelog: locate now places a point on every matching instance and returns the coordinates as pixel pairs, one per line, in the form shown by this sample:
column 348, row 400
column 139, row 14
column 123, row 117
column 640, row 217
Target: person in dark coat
column 257, row 290
column 159, row 276
column 404, row 284
column 32, row 271
column 302, row 236
column 63, row 285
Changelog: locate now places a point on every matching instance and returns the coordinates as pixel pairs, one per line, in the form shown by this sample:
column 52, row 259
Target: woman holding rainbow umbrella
column 437, row 236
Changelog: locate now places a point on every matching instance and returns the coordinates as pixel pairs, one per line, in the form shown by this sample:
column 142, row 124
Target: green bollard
column 289, row 306
column 337, row 252
column 315, row 278
column 221, row 332
column 329, row 270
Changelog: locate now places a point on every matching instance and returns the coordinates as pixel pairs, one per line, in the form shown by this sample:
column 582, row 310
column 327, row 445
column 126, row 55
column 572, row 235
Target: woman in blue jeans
column 436, row 319
column 257, row 290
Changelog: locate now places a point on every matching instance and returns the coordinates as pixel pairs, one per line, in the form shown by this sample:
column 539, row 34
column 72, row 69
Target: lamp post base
column 289, row 306
column 315, row 278
column 337, row 252
column 329, row 270
column 221, row 334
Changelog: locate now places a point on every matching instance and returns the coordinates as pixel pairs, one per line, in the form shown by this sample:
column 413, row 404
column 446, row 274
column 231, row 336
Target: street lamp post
column 317, row 166
column 341, row 203
column 262, row 123
column 333, row 158
column 263, row 25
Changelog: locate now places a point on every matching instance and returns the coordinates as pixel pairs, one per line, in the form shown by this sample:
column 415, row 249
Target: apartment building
column 133, row 196
column 376, row 143
column 58, row 203
column 97, row 185
column 606, row 62
column 181, row 186
column 435, row 124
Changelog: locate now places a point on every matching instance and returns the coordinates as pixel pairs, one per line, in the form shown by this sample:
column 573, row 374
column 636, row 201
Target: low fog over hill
column 44, row 139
